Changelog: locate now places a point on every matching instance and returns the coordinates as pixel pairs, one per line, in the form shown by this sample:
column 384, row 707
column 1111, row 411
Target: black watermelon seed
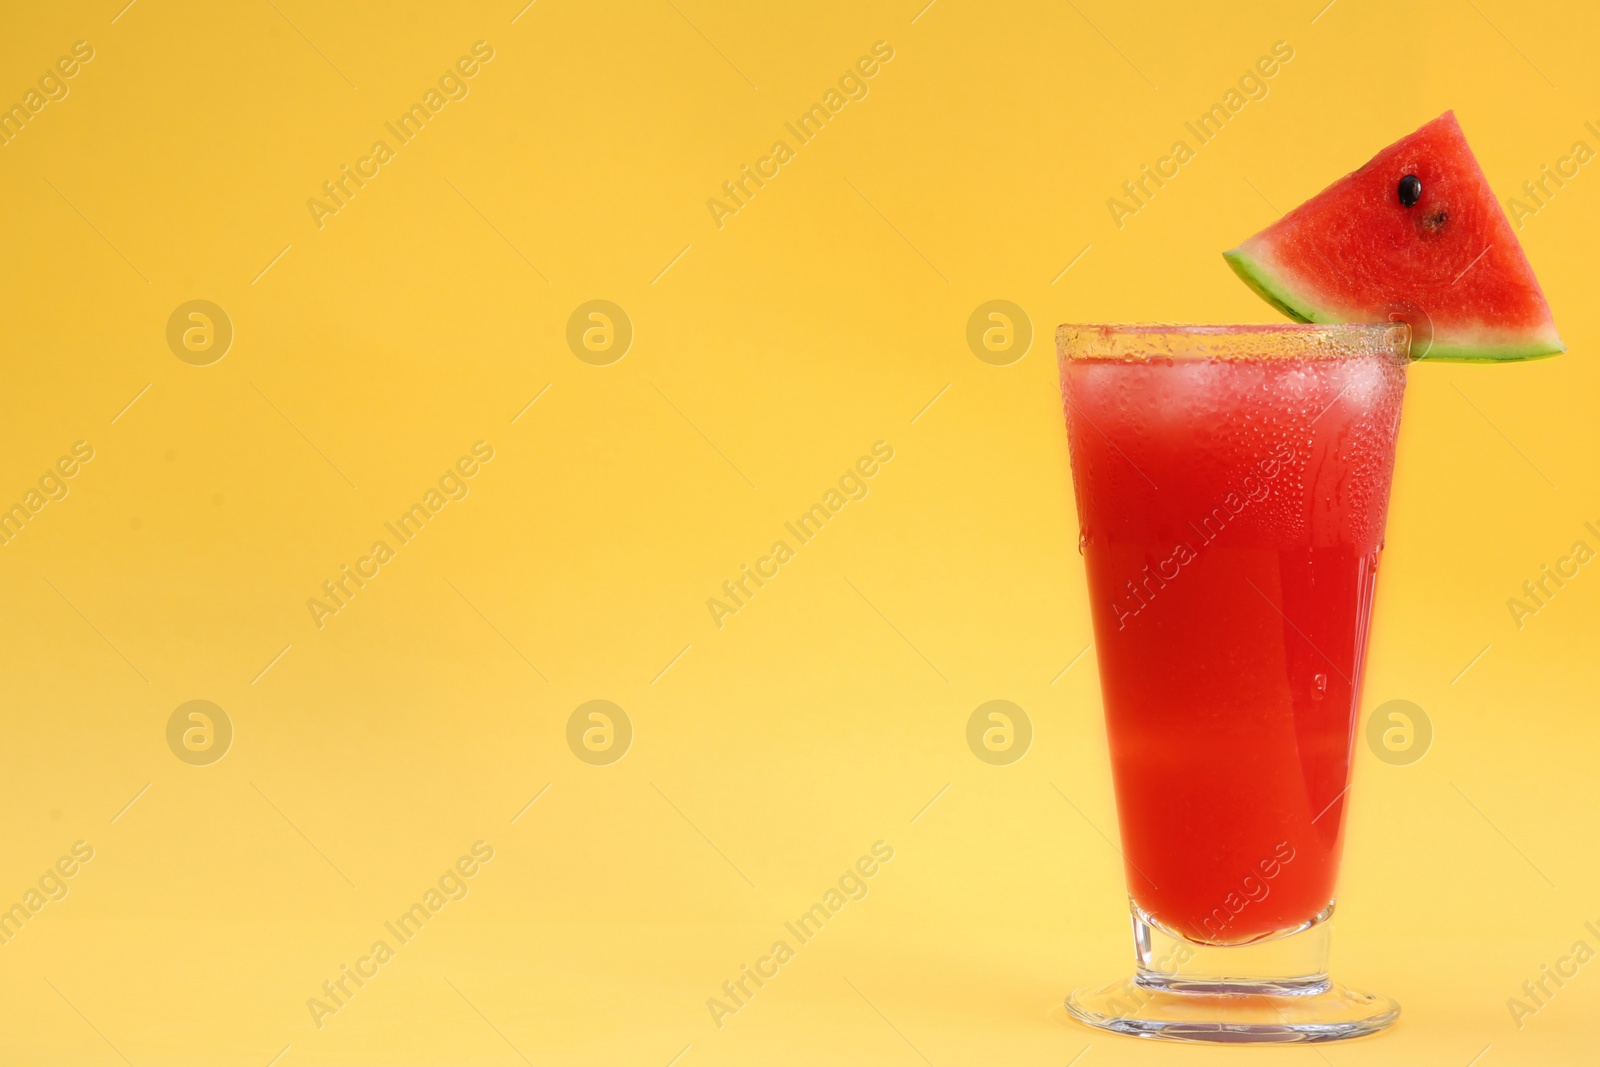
column 1410, row 190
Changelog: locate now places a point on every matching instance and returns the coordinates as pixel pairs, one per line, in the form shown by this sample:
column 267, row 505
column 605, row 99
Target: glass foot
column 1271, row 991
column 1238, row 1018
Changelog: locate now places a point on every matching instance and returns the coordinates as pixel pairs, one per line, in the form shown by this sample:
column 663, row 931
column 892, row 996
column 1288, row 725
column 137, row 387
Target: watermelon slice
column 1415, row 234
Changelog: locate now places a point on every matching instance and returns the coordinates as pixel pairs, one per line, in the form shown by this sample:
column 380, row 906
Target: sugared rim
column 1133, row 341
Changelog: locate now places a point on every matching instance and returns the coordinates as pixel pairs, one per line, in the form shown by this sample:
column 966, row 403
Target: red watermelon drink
column 1232, row 484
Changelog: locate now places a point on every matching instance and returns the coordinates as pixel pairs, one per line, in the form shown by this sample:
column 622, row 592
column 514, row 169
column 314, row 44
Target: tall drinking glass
column 1232, row 484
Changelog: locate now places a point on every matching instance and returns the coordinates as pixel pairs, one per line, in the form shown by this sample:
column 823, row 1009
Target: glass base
column 1272, row 991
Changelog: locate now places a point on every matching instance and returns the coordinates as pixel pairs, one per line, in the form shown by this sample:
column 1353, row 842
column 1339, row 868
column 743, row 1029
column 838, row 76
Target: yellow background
column 826, row 715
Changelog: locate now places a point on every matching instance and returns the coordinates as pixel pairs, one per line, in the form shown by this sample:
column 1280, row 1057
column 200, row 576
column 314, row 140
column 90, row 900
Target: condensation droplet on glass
column 1319, row 686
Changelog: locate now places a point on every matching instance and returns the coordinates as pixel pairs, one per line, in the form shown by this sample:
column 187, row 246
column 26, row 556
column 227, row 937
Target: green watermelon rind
column 1269, row 288
column 1262, row 283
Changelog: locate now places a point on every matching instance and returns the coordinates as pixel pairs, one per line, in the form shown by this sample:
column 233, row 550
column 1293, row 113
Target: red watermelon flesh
column 1448, row 263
